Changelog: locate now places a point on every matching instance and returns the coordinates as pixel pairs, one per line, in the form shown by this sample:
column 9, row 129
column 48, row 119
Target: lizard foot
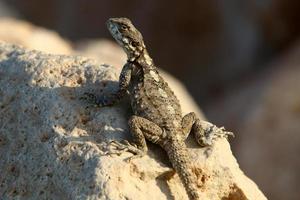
column 95, row 100
column 125, row 146
column 210, row 133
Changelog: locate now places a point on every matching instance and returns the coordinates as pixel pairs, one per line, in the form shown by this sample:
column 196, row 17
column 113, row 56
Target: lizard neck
column 145, row 60
column 135, row 53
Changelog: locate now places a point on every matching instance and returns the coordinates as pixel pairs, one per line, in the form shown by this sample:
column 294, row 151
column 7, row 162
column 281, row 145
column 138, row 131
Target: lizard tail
column 180, row 159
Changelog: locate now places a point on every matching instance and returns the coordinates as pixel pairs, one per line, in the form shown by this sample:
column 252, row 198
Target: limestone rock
column 102, row 50
column 54, row 145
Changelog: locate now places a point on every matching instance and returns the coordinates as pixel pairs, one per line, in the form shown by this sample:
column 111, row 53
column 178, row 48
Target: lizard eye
column 123, row 27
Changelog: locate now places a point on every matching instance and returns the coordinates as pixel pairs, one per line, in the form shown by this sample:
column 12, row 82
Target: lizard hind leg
column 205, row 133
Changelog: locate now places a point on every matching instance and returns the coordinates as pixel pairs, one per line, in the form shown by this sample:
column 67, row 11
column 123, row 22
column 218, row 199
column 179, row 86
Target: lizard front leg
column 205, row 133
column 142, row 129
column 124, row 81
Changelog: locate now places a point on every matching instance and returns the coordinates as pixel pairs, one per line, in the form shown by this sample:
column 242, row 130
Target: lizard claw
column 126, row 146
column 99, row 101
column 88, row 96
column 210, row 133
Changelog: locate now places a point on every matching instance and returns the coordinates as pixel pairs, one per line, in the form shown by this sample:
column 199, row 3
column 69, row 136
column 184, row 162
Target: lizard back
column 151, row 97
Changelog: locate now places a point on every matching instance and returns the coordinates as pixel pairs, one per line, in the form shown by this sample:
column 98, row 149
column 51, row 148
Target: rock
column 102, row 50
column 265, row 113
column 32, row 37
column 54, row 145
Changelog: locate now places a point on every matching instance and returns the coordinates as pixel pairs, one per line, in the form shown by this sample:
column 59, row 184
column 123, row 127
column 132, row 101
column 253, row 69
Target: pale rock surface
column 54, row 145
column 102, row 50
column 33, row 37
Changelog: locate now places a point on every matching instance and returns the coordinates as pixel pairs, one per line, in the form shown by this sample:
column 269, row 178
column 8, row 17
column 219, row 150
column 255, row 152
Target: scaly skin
column 157, row 112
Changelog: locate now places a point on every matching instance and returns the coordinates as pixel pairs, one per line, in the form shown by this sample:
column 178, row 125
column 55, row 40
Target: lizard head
column 127, row 36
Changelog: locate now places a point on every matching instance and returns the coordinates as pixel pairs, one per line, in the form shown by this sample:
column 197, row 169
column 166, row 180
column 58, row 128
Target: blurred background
column 239, row 59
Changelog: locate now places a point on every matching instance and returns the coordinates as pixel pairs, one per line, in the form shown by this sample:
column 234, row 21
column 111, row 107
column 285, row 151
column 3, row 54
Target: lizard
column 157, row 115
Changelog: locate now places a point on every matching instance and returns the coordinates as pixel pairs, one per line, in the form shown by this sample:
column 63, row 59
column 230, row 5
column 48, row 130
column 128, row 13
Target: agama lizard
column 157, row 112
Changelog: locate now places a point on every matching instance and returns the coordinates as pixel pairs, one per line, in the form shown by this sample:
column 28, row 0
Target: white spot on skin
column 170, row 109
column 132, row 47
column 162, row 93
column 147, row 57
column 148, row 60
column 140, row 48
column 125, row 40
column 154, row 75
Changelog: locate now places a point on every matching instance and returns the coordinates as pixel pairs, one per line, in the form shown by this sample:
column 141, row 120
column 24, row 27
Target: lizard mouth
column 112, row 27
column 114, row 30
